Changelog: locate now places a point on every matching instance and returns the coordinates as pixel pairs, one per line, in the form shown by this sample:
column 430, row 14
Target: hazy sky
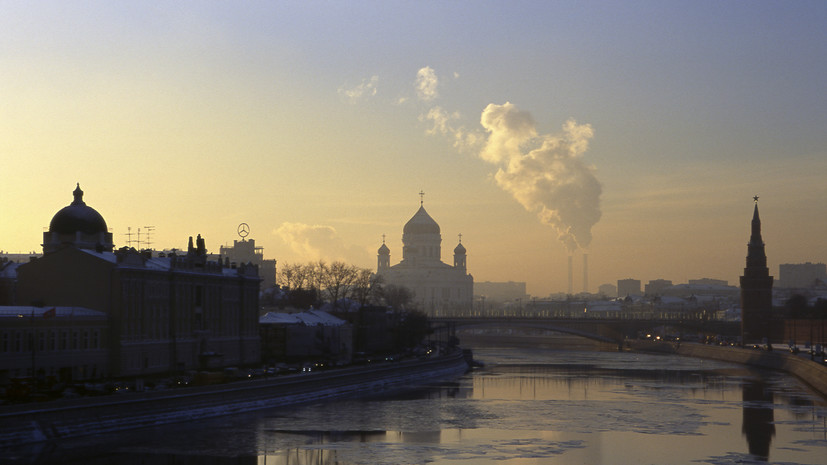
column 638, row 131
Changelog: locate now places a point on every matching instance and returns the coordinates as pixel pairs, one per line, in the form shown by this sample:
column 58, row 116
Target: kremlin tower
column 756, row 288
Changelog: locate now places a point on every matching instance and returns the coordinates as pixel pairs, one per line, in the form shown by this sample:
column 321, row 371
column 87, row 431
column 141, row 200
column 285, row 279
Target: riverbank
column 22, row 424
column 812, row 373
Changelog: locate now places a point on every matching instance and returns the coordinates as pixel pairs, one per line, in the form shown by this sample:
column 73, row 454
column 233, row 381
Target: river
column 526, row 406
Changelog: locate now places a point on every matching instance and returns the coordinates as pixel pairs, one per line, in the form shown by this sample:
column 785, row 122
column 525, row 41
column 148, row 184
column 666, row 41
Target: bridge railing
column 570, row 315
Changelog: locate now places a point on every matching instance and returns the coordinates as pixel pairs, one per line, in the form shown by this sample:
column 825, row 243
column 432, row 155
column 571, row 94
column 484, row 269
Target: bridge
column 609, row 328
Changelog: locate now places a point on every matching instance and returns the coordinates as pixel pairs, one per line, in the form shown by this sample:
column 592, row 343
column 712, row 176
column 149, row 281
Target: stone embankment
column 811, row 372
column 21, row 424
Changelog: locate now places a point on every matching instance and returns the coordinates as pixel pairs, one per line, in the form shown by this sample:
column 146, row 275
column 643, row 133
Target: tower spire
column 78, row 193
column 421, row 198
column 756, row 287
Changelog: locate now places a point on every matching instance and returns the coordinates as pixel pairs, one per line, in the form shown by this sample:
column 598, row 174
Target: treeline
column 800, row 306
column 336, row 283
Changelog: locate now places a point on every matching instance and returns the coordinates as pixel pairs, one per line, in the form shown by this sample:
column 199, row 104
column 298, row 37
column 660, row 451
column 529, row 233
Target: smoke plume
column 545, row 173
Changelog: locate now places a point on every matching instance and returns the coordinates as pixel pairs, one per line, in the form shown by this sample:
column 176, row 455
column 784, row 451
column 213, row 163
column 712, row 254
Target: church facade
column 438, row 288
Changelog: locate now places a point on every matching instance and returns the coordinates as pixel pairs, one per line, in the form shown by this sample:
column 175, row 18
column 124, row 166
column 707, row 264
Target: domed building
column 78, row 225
column 105, row 313
column 438, row 288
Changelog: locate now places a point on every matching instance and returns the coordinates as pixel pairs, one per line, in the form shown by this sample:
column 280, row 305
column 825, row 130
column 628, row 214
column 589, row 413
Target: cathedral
column 438, row 288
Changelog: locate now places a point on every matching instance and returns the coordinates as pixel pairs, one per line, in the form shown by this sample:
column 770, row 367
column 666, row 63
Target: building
column 709, row 282
column 801, row 275
column 626, row 287
column 501, row 292
column 53, row 343
column 756, row 288
column 161, row 314
column 245, row 251
column 657, row 286
column 608, row 290
column 438, row 288
column 303, row 336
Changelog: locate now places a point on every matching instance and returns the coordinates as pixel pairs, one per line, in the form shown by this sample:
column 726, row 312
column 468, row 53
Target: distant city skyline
column 637, row 133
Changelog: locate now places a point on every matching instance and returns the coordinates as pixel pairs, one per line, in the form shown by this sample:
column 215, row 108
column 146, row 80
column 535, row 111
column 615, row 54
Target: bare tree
column 398, row 297
column 316, row 272
column 368, row 287
column 339, row 280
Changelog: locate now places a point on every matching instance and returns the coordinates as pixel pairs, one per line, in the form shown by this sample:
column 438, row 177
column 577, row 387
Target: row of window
column 48, row 341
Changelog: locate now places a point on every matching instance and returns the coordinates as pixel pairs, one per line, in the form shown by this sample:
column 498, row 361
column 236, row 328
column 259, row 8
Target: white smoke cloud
column 315, row 242
column 440, row 123
column 545, row 173
column 367, row 88
column 426, row 84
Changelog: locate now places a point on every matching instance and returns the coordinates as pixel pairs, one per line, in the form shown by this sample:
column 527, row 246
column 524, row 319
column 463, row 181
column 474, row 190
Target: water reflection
column 527, row 407
column 758, row 424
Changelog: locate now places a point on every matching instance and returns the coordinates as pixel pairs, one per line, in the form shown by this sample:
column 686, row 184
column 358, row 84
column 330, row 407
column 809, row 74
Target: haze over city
column 637, row 133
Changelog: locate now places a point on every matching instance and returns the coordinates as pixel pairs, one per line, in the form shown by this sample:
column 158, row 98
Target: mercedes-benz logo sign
column 243, row 230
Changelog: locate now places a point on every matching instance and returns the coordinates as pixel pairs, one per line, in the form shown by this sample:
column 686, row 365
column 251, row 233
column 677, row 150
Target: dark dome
column 384, row 250
column 78, row 217
column 421, row 223
column 459, row 249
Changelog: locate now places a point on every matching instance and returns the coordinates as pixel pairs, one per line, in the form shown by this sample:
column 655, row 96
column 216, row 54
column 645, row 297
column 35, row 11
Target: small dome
column 421, row 223
column 459, row 249
column 384, row 250
column 78, row 217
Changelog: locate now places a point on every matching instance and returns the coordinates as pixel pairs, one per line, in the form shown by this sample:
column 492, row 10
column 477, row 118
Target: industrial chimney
column 571, row 276
column 585, row 272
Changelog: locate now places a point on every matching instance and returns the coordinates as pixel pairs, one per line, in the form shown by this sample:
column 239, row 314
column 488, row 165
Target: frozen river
column 527, row 406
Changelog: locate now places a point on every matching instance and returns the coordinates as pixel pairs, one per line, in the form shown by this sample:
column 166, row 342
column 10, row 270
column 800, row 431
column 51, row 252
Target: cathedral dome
column 421, row 223
column 78, row 217
column 459, row 249
column 384, row 250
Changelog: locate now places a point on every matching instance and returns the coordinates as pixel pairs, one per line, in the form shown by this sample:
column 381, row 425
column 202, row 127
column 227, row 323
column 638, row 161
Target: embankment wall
column 811, row 372
column 29, row 423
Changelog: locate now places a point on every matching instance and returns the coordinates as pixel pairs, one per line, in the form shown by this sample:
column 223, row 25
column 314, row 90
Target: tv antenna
column 128, row 235
column 149, row 230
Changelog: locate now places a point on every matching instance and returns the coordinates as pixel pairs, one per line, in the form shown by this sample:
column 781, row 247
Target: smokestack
column 571, row 277
column 586, row 272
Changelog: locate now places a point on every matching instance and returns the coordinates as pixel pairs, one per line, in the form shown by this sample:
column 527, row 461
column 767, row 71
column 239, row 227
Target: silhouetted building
column 756, row 288
column 312, row 335
column 801, row 275
column 246, row 252
column 657, row 286
column 501, row 292
column 627, row 287
column 438, row 288
column 78, row 225
column 709, row 282
column 608, row 290
column 161, row 313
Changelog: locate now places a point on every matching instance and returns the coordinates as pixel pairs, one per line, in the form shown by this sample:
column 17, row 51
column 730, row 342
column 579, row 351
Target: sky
column 634, row 132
